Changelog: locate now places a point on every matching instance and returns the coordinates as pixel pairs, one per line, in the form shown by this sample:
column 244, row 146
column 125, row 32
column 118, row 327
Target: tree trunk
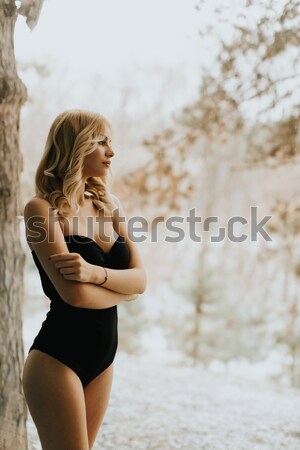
column 13, row 410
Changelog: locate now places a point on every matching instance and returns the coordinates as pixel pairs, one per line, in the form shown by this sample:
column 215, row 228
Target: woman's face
column 97, row 163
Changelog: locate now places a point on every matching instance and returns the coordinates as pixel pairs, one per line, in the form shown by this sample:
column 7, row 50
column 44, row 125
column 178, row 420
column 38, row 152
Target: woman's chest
column 118, row 257
column 92, row 223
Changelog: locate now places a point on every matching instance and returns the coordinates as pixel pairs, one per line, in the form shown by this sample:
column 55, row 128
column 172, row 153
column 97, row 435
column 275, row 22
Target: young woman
column 78, row 237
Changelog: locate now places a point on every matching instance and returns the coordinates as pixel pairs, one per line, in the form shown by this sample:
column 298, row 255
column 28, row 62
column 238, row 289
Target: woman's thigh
column 55, row 398
column 97, row 394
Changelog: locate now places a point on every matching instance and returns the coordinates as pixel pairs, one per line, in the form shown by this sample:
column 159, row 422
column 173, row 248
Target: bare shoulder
column 121, row 226
column 36, row 203
column 39, row 216
column 118, row 209
column 115, row 200
column 37, row 206
column 119, row 216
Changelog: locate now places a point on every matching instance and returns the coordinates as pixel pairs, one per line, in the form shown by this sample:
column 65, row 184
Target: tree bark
column 13, row 410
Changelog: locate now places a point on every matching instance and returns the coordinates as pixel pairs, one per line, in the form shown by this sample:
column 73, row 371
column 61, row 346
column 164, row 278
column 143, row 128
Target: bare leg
column 55, row 399
column 97, row 394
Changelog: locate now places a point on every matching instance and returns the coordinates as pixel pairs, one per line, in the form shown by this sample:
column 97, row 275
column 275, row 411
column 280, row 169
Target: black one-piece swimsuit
column 84, row 339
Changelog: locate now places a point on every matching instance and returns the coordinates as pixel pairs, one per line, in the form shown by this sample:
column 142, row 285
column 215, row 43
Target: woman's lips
column 107, row 164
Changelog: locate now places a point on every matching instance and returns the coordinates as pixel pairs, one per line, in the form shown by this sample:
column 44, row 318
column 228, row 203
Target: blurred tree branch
column 256, row 69
column 31, row 10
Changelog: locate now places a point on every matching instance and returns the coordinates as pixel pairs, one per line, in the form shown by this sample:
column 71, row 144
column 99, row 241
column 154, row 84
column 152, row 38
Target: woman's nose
column 110, row 151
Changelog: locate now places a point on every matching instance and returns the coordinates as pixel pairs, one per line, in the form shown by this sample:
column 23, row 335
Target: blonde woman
column 78, row 237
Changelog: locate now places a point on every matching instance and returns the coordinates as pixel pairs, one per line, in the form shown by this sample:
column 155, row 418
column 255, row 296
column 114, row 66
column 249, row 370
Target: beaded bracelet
column 105, row 277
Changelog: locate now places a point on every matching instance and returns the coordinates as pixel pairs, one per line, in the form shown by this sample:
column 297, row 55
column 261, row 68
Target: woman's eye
column 101, row 142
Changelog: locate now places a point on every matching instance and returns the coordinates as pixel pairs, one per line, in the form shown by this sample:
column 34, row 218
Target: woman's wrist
column 105, row 277
column 99, row 275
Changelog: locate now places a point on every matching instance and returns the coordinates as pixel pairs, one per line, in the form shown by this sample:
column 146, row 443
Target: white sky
column 122, row 40
column 115, row 44
column 110, row 35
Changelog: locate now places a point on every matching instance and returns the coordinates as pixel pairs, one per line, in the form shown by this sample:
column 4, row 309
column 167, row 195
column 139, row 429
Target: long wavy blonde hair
column 73, row 135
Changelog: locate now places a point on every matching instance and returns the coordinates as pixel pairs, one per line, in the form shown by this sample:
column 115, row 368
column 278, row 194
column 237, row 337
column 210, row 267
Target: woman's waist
column 62, row 309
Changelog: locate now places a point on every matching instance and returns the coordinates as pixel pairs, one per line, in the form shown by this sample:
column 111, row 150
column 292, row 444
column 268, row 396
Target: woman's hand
column 73, row 267
column 132, row 297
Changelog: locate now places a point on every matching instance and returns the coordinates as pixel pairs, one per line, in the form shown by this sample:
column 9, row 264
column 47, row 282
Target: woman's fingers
column 72, row 266
column 71, row 277
column 64, row 257
column 67, row 270
column 67, row 264
column 65, row 260
column 132, row 297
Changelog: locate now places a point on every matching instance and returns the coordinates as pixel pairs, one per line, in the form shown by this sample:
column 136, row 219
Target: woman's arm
column 124, row 281
column 46, row 238
column 97, row 297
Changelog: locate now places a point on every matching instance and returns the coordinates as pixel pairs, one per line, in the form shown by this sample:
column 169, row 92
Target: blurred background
column 203, row 97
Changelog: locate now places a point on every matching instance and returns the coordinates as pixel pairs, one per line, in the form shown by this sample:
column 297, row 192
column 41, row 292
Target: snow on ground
column 158, row 404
